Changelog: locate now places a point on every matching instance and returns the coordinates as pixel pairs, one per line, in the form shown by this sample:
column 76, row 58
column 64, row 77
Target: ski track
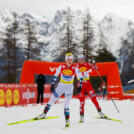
column 55, row 126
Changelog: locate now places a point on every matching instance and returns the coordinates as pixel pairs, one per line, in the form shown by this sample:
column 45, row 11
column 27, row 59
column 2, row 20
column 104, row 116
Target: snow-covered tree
column 103, row 55
column 33, row 46
column 87, row 35
column 68, row 40
column 10, row 50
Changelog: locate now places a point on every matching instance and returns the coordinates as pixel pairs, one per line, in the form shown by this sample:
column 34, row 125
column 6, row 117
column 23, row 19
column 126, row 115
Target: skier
column 67, row 71
column 85, row 68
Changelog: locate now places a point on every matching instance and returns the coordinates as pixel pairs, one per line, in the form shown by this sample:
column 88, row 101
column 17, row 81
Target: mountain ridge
column 114, row 27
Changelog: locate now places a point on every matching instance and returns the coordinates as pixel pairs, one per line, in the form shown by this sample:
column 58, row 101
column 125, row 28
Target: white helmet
column 68, row 55
column 80, row 56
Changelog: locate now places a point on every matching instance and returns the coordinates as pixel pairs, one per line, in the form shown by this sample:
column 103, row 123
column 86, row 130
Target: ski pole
column 108, row 91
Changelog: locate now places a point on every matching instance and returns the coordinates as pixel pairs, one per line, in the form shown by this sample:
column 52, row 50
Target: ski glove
column 93, row 62
column 79, row 89
column 52, row 88
column 53, row 82
column 80, row 86
column 94, row 65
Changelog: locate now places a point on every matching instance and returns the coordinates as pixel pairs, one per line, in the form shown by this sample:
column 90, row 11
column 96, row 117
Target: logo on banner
column 16, row 96
column 112, row 92
column 28, row 95
column 2, row 97
column 113, row 86
column 52, row 69
column 9, row 96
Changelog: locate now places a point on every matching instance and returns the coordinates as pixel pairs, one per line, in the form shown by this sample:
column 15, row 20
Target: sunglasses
column 68, row 54
column 80, row 58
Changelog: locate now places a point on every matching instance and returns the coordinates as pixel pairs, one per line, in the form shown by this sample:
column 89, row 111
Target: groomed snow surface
column 55, row 126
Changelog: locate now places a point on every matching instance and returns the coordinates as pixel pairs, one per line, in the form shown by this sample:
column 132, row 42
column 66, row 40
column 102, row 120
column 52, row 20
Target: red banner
column 20, row 94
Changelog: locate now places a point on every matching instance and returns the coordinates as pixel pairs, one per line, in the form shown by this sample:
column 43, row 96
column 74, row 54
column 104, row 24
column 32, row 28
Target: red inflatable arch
column 109, row 69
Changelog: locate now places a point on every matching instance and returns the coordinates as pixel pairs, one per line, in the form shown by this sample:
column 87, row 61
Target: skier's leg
column 66, row 105
column 82, row 100
column 91, row 93
column 82, row 104
column 68, row 96
column 56, row 94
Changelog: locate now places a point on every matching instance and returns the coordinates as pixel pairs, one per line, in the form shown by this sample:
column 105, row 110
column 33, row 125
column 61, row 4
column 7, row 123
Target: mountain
column 113, row 27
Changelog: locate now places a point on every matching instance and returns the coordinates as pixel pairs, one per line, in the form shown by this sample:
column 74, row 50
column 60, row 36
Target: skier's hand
column 79, row 89
column 52, row 88
column 95, row 68
column 93, row 62
column 94, row 65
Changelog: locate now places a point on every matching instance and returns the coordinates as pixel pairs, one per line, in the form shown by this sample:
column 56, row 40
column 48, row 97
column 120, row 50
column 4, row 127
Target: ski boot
column 67, row 116
column 102, row 115
column 67, row 123
column 42, row 116
column 81, row 118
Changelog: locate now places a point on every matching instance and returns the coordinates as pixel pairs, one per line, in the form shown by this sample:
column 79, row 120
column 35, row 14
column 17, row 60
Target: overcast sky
column 98, row 8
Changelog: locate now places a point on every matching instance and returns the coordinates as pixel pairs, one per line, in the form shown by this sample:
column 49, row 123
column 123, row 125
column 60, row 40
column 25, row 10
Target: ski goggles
column 80, row 57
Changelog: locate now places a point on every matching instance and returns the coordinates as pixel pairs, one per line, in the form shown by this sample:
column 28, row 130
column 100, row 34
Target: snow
column 114, row 28
column 55, row 126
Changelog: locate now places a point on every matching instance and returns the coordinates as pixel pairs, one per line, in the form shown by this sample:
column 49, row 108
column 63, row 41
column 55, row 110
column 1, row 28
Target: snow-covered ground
column 55, row 126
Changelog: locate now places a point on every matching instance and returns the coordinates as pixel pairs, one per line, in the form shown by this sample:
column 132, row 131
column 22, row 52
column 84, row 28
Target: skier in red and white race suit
column 67, row 72
column 85, row 68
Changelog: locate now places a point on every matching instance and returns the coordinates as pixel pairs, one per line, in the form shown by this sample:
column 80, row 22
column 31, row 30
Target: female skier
column 67, row 72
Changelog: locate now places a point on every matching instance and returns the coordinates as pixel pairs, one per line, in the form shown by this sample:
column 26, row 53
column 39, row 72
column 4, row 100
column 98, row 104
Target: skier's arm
column 56, row 74
column 54, row 78
column 93, row 65
column 78, row 73
column 79, row 76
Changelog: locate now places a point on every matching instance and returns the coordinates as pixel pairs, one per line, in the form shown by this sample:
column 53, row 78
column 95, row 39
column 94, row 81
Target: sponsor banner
column 20, row 94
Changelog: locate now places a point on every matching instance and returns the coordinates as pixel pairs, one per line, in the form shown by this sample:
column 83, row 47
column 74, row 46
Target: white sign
column 113, row 92
column 113, row 86
column 28, row 95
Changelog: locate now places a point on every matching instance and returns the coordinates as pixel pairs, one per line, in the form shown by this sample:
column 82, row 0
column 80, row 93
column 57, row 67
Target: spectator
column 104, row 89
column 41, row 80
